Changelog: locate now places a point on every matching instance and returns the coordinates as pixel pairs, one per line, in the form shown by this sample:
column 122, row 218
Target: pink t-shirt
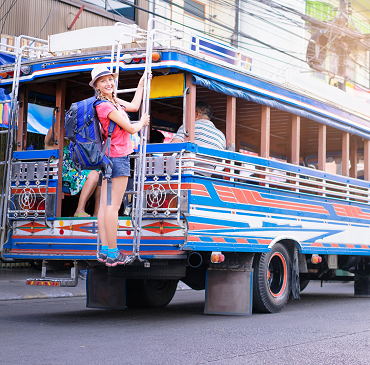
column 121, row 144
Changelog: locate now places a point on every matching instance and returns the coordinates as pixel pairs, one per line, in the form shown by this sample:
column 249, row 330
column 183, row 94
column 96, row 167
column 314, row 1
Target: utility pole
column 236, row 34
column 342, row 51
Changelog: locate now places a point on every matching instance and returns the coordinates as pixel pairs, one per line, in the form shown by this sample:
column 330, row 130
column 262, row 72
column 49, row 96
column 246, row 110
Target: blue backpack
column 82, row 127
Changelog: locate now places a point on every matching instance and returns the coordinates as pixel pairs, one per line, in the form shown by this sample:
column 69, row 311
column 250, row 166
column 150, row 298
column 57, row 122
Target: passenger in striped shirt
column 206, row 134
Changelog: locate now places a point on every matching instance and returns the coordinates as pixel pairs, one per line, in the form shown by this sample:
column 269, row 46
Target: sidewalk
column 13, row 285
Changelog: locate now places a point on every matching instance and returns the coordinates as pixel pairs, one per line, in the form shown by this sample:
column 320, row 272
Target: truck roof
column 223, row 66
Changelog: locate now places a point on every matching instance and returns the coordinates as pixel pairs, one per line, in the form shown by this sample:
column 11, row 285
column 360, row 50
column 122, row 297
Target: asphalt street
column 329, row 325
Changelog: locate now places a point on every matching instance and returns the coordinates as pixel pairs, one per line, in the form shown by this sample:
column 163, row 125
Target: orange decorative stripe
column 226, row 193
column 93, row 252
column 51, row 190
column 56, row 252
column 200, row 193
column 228, row 199
column 264, row 241
column 336, row 245
column 222, row 188
column 196, row 189
column 93, row 237
column 194, row 186
column 242, row 240
column 195, row 239
column 243, row 196
column 203, row 226
column 218, row 239
column 350, row 211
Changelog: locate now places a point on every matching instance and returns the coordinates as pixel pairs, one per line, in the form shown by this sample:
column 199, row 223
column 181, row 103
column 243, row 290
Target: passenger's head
column 103, row 81
column 156, row 136
column 203, row 110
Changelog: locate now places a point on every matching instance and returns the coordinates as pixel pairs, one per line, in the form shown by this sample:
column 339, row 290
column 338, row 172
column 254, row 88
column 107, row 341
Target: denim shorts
column 121, row 166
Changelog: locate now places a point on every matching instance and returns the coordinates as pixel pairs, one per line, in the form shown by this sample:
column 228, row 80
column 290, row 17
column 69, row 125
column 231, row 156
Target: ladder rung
column 122, row 229
column 123, row 91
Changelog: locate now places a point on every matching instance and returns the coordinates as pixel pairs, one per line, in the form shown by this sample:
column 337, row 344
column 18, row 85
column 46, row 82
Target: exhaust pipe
column 195, row 259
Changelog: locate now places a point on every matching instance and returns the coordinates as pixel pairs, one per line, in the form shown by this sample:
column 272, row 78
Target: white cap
column 99, row 71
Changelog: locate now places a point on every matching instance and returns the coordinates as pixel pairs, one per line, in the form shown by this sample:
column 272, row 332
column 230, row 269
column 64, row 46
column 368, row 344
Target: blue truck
column 287, row 202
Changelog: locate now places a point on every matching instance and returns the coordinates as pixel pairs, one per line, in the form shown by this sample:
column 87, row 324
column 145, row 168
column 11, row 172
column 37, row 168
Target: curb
column 32, row 292
column 12, row 296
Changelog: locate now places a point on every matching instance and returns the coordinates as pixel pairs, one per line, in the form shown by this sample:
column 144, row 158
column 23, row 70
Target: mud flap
column 295, row 276
column 362, row 285
column 103, row 291
column 229, row 291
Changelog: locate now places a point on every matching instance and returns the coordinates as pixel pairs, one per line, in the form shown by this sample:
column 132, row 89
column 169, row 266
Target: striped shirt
column 206, row 135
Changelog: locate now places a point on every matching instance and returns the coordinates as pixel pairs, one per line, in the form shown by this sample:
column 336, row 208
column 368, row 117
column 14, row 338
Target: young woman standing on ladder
column 103, row 81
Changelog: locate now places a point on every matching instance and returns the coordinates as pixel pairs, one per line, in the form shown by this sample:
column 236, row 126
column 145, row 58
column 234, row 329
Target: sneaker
column 102, row 257
column 118, row 260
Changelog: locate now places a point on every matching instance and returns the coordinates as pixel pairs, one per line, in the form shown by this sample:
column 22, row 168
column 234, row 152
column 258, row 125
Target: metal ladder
column 18, row 52
column 10, row 132
column 138, row 198
column 141, row 163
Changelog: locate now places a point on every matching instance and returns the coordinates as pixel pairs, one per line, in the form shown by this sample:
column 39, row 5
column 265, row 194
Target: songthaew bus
column 286, row 202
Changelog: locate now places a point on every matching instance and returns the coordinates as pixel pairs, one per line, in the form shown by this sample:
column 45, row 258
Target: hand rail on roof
column 214, row 51
column 163, row 34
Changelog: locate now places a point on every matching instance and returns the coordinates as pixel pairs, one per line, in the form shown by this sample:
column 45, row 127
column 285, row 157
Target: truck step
column 45, row 281
column 53, row 281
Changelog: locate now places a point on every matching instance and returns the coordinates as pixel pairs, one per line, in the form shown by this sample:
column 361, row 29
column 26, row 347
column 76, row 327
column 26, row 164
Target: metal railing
column 214, row 51
column 18, row 52
column 163, row 195
column 30, row 195
column 300, row 180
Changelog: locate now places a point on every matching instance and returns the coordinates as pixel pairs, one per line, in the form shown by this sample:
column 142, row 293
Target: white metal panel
column 91, row 37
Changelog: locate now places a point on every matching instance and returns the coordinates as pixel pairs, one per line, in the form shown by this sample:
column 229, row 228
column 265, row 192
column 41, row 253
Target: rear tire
column 271, row 280
column 149, row 293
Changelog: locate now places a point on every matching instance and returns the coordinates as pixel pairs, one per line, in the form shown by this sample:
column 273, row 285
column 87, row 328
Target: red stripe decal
column 243, row 196
column 241, row 240
column 202, row 226
column 218, row 240
column 264, row 241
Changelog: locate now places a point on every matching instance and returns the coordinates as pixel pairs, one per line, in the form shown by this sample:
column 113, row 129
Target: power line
column 3, row 3
column 6, row 15
column 211, row 20
column 276, row 10
column 50, row 15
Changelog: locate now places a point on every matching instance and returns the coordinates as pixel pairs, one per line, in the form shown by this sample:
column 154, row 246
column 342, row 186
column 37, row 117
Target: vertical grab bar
column 6, row 191
column 142, row 155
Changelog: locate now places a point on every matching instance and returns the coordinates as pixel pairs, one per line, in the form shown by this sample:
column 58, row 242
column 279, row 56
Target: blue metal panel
column 35, row 154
